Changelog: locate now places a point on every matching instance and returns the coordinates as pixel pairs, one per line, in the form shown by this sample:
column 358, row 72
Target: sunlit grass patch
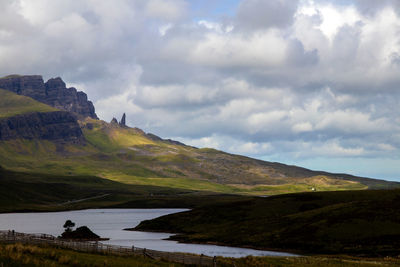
column 12, row 104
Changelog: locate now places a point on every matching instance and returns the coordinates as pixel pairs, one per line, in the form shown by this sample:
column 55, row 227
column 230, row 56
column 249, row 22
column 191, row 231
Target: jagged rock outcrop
column 123, row 121
column 59, row 96
column 32, row 85
column 54, row 126
column 54, row 93
column 114, row 121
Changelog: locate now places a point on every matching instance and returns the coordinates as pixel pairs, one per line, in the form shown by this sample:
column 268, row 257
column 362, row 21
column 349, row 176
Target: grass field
column 120, row 167
column 311, row 261
column 48, row 192
column 144, row 164
column 128, row 155
column 29, row 255
column 349, row 222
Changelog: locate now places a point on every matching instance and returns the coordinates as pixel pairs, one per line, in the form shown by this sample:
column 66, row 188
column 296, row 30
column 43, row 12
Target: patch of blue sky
column 379, row 168
column 211, row 9
column 336, row 2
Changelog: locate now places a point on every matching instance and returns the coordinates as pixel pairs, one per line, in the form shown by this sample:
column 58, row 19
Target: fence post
column 98, row 247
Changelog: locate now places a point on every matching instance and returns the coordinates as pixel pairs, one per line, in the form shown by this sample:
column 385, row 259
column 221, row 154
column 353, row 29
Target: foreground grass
column 30, row 255
column 363, row 223
column 312, row 261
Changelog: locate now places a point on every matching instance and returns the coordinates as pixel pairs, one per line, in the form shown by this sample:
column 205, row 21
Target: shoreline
column 86, row 208
column 178, row 238
column 295, row 253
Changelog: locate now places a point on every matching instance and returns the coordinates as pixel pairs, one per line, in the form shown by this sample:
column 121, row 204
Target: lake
column 109, row 223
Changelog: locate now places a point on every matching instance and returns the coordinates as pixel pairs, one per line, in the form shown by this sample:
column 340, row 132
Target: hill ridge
column 53, row 93
column 43, row 142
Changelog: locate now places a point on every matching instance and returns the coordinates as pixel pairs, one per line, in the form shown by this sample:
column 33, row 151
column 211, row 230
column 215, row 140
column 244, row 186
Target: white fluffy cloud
column 277, row 79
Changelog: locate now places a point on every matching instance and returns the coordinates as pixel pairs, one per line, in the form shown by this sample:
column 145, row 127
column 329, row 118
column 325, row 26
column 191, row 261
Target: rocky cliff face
column 59, row 96
column 32, row 86
column 122, row 123
column 53, row 126
column 53, row 93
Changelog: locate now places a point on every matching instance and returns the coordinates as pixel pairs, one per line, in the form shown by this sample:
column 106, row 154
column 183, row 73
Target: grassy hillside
column 12, row 104
column 127, row 155
column 153, row 165
column 351, row 222
column 130, row 156
column 35, row 192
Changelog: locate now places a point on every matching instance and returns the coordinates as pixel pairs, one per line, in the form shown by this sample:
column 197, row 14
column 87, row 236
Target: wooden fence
column 98, row 247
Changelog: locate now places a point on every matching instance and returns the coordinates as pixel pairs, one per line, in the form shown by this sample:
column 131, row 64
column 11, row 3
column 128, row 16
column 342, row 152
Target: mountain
column 53, row 93
column 67, row 139
column 22, row 117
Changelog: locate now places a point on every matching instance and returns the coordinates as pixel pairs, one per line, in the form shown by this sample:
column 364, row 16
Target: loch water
column 109, row 223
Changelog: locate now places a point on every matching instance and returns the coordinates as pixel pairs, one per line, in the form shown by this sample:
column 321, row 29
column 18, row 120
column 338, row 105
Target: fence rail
column 98, row 247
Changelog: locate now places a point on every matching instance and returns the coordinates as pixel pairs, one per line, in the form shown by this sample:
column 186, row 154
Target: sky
column 309, row 83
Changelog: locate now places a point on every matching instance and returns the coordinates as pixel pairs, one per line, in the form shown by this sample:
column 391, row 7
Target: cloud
column 302, row 127
column 371, row 7
column 273, row 79
column 259, row 14
column 168, row 10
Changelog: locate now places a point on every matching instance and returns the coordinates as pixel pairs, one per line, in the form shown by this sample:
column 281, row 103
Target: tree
column 68, row 225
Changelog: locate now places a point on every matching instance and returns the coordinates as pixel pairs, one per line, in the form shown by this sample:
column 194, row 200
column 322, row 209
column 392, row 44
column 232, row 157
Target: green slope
column 12, row 104
column 128, row 155
column 21, row 191
column 352, row 222
column 152, row 165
